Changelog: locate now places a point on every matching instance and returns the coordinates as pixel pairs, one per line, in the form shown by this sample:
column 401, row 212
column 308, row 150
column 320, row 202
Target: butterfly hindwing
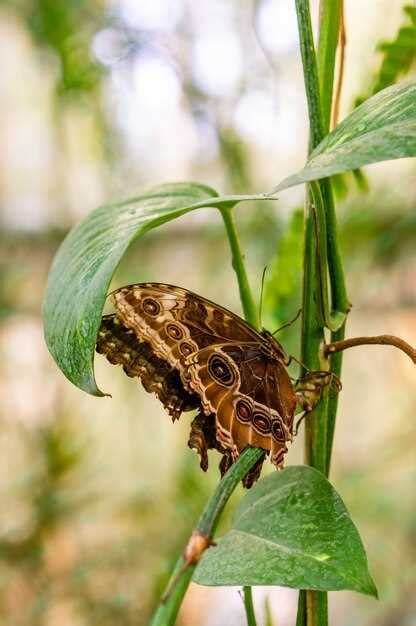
column 121, row 347
column 241, row 387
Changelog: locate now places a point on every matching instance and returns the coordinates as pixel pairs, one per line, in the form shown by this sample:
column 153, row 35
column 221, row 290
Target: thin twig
column 384, row 340
column 340, row 77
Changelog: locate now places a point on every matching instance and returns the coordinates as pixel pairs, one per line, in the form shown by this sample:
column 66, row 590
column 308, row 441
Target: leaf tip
column 98, row 393
column 101, row 394
column 372, row 589
column 289, row 181
column 90, row 387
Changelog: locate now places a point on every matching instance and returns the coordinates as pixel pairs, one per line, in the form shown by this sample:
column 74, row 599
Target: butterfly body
column 197, row 354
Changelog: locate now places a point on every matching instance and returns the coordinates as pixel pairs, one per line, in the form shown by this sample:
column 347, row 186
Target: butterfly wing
column 121, row 346
column 220, row 359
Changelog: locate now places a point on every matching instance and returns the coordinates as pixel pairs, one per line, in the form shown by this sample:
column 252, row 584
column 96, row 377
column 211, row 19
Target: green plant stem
column 301, row 613
column 248, row 604
column 249, row 307
column 166, row 612
column 313, row 317
column 340, row 301
column 319, row 127
column 310, row 73
column 329, row 24
column 312, row 337
column 329, row 28
column 312, row 329
column 325, row 214
column 312, row 607
column 332, row 318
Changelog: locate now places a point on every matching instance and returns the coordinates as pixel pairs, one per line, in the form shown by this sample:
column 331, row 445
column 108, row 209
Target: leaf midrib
column 328, row 563
column 280, row 546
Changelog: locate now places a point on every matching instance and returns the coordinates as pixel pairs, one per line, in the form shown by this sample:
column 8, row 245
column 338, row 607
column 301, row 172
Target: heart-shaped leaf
column 382, row 128
column 87, row 259
column 291, row 529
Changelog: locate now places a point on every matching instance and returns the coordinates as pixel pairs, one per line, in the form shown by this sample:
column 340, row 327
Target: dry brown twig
column 384, row 340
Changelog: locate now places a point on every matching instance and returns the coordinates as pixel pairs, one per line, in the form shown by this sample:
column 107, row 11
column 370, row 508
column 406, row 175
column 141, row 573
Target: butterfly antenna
column 261, row 293
column 288, row 323
column 299, row 421
column 293, row 358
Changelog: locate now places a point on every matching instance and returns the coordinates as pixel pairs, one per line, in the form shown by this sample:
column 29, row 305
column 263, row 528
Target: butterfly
column 196, row 355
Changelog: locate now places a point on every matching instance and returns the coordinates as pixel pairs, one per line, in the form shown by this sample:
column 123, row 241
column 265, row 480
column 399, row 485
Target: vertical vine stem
column 330, row 25
column 319, row 430
column 201, row 537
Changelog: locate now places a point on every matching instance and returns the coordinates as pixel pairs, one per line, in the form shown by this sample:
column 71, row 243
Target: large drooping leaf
column 291, row 529
column 382, row 128
column 87, row 259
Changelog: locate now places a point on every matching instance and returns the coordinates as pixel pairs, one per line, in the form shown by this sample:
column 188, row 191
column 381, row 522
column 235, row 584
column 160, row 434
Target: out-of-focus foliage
column 341, row 187
column 385, row 236
column 64, row 28
column 236, row 160
column 398, row 55
column 50, row 501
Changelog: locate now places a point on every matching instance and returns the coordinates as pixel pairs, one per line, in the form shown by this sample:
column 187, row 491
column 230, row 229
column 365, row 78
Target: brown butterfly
column 195, row 354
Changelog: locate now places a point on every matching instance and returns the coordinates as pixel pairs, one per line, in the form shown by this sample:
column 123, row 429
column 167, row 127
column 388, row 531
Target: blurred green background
column 97, row 100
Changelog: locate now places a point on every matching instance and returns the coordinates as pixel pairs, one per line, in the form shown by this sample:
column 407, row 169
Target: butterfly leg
column 309, row 390
column 251, row 477
column 202, row 437
column 254, row 474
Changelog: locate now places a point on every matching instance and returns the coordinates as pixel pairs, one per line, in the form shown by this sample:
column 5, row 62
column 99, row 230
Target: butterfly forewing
column 175, row 320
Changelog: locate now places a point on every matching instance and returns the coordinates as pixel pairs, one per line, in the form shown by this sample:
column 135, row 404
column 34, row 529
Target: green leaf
column 291, row 529
column 87, row 259
column 382, row 128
